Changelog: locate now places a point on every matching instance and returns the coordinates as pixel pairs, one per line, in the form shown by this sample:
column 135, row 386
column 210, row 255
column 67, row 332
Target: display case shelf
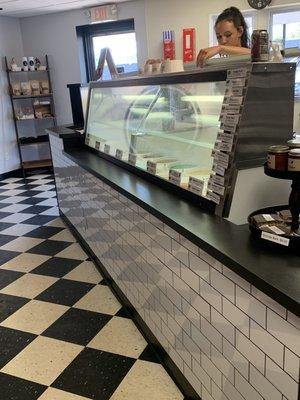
column 32, row 97
column 34, row 119
column 34, row 140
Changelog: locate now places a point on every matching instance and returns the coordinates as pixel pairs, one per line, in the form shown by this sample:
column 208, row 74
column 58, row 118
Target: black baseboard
column 161, row 354
column 16, row 173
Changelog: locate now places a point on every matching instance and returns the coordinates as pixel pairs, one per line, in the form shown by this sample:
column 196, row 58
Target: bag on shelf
column 44, row 87
column 16, row 88
column 35, row 87
column 25, row 88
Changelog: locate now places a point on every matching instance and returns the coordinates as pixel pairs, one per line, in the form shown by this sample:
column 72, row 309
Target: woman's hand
column 207, row 53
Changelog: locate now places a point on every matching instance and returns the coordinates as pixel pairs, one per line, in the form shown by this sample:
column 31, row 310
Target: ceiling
column 27, row 8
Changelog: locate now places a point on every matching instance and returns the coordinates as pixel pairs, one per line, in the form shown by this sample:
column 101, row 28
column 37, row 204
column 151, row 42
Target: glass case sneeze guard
column 169, row 130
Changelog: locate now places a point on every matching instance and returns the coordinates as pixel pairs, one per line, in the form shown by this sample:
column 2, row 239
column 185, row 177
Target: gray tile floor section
column 63, row 334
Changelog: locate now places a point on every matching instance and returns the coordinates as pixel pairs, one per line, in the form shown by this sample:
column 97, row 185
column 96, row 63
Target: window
column 119, row 36
column 285, row 30
column 249, row 21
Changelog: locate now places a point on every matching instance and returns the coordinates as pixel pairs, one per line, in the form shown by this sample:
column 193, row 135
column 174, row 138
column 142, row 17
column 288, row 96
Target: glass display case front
column 167, row 130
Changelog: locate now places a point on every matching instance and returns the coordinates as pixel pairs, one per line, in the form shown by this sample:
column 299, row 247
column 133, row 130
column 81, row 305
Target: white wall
column 178, row 14
column 10, row 45
column 55, row 35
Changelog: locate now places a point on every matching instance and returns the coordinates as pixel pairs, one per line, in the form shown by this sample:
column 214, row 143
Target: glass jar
column 260, row 45
column 294, row 144
column 294, row 160
column 278, row 157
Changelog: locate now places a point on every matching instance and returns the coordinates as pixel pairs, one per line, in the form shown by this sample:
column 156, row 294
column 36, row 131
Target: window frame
column 85, row 34
column 280, row 10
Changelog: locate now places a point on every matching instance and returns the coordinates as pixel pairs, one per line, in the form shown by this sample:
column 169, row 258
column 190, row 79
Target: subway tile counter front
column 227, row 338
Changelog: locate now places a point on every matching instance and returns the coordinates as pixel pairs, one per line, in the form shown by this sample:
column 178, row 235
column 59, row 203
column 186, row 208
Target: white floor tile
column 11, row 180
column 52, row 211
column 19, row 229
column 74, row 251
column 15, row 208
column 13, row 192
column 120, row 336
column 99, row 299
column 49, row 202
column 55, row 394
column 148, row 381
column 64, row 236
column 43, row 360
column 25, row 262
column 85, row 272
column 14, row 199
column 35, row 317
column 22, row 244
column 57, row 223
column 43, row 187
column 17, row 218
column 29, row 285
column 45, row 195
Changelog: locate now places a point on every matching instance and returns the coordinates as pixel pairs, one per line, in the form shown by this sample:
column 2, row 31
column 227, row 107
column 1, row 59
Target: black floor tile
column 6, row 255
column 4, row 214
column 12, row 342
column 94, row 374
column 5, row 225
column 10, row 304
column 103, row 283
column 7, row 277
column 65, row 292
column 2, row 205
column 40, row 219
column 149, row 355
column 4, row 239
column 44, row 232
column 13, row 388
column 49, row 247
column 123, row 313
column 30, row 193
column 77, row 326
column 32, row 200
column 56, row 266
column 36, row 209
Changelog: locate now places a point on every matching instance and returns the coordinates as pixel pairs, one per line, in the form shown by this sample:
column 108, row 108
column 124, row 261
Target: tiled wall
column 231, row 341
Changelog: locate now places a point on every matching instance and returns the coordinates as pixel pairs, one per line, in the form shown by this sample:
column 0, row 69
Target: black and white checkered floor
column 63, row 334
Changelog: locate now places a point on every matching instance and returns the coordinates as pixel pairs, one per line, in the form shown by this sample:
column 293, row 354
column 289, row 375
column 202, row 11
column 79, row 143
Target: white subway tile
column 281, row 380
column 211, row 295
column 210, row 260
column 172, row 263
column 236, row 317
column 174, row 326
column 291, row 364
column 251, row 306
column 173, row 295
column 199, row 266
column 223, row 326
column 193, row 379
column 231, row 391
column 188, row 244
column 211, row 334
column 268, row 301
column 293, row 319
column 236, row 358
column 266, row 342
column 201, row 374
column 250, row 351
column 191, row 313
column 201, row 341
column 283, row 331
column 191, row 346
column 182, row 288
column 180, row 252
column 183, row 352
column 263, row 386
column 200, row 305
column 223, row 365
column 190, row 278
column 206, row 395
column 211, row 370
column 236, row 278
column 222, row 284
column 244, row 387
column 217, row 393
column 170, row 232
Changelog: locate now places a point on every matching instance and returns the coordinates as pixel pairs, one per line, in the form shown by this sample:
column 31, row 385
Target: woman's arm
column 209, row 52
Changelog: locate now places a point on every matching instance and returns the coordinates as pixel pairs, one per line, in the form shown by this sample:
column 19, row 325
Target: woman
column 232, row 35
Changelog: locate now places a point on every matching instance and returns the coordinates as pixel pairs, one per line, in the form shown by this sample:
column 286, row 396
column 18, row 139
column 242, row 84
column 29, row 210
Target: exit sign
column 104, row 13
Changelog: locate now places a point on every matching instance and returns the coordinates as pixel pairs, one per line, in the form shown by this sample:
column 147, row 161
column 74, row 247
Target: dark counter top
column 275, row 272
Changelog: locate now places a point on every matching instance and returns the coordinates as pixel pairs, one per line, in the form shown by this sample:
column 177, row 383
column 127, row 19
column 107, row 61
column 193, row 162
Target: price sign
column 106, row 148
column 275, row 238
column 119, row 154
column 151, row 167
column 175, row 177
column 132, row 159
column 97, row 145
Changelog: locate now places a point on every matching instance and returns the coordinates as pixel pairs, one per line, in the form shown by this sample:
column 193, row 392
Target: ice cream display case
column 202, row 134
